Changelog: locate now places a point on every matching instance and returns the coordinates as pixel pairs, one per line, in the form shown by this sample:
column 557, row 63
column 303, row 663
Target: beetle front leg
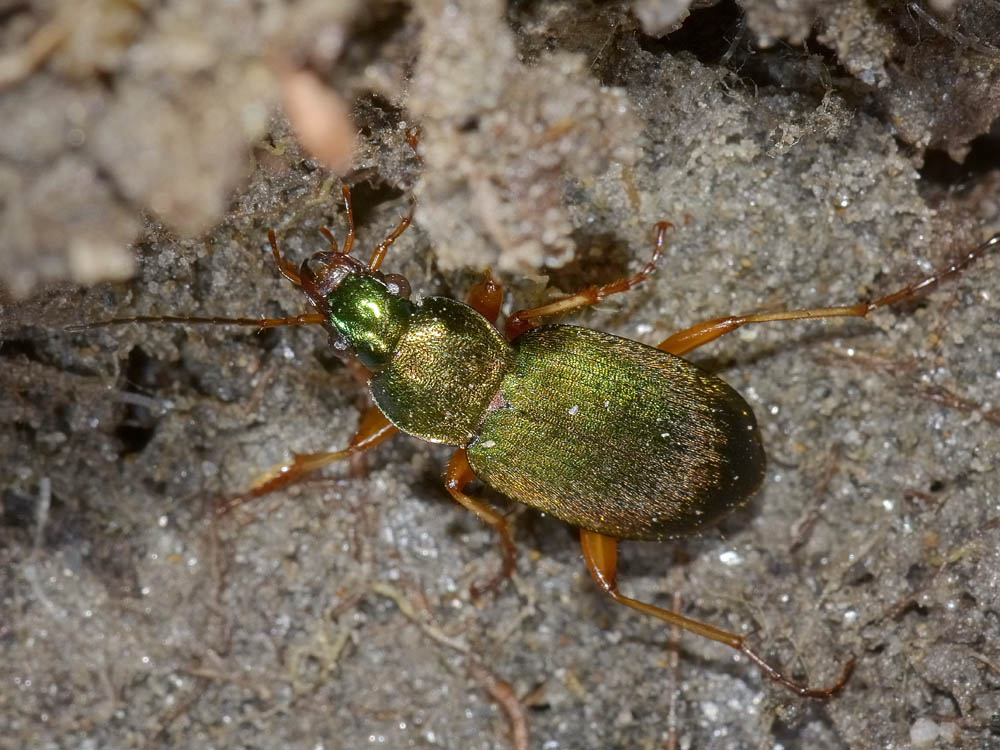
column 457, row 476
column 373, row 430
column 486, row 298
column 601, row 554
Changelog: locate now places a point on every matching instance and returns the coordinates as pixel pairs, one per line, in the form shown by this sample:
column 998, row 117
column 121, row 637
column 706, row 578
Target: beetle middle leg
column 457, row 476
column 524, row 320
column 698, row 335
column 373, row 429
column 601, row 554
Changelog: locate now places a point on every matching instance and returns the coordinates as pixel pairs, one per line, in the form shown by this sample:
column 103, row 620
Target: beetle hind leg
column 373, row 430
column 601, row 554
column 457, row 476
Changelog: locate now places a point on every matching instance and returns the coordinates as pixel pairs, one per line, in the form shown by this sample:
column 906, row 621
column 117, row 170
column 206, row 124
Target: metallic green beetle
column 607, row 434
column 619, row 439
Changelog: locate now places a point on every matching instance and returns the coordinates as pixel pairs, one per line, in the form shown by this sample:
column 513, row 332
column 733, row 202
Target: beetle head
column 366, row 311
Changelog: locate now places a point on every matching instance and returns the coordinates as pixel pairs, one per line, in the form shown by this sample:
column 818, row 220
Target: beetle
column 622, row 440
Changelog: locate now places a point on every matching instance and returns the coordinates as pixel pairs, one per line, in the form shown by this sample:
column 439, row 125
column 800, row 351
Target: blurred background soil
column 807, row 153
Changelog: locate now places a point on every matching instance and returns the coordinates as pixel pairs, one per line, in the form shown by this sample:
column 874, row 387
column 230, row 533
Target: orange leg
column 525, row 320
column 601, row 554
column 373, row 430
column 381, row 248
column 457, row 476
column 349, row 239
column 691, row 338
column 487, row 297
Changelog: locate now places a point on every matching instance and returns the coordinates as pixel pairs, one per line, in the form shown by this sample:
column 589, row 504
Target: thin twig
column 503, row 693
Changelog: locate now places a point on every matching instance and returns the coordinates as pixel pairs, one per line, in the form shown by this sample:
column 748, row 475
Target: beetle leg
column 525, row 320
column 601, row 554
column 691, row 338
column 373, row 430
column 457, row 476
column 487, row 297
column 381, row 248
column 349, row 239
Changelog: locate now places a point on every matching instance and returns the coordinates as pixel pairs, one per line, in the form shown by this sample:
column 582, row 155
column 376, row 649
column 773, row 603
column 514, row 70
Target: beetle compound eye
column 397, row 285
column 322, row 272
column 316, row 267
column 340, row 345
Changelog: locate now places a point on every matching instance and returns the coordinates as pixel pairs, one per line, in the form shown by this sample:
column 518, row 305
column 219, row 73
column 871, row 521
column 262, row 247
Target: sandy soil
column 808, row 154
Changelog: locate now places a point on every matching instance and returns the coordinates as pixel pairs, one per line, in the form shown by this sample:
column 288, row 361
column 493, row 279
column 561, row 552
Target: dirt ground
column 807, row 154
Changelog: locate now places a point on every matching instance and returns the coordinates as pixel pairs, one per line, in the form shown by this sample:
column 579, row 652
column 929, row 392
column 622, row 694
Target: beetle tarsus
column 797, row 687
column 480, row 589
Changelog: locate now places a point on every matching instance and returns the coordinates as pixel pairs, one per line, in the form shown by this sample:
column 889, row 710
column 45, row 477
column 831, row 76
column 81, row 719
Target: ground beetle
column 637, row 442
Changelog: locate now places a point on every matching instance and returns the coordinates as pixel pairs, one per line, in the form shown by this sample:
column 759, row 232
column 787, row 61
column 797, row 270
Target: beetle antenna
column 306, row 319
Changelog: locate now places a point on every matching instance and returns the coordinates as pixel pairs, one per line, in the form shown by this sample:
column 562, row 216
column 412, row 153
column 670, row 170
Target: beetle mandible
column 623, row 441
